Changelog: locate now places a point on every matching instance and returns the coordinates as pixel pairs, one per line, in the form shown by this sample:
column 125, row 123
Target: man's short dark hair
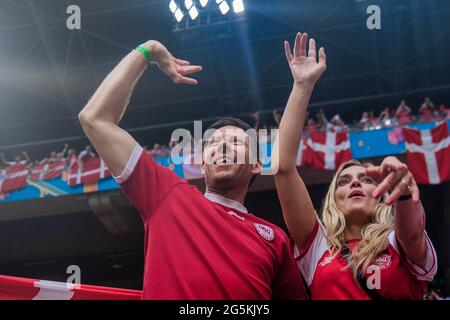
column 239, row 124
column 230, row 122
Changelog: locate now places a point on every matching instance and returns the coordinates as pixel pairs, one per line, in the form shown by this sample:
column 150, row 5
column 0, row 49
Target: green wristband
column 147, row 54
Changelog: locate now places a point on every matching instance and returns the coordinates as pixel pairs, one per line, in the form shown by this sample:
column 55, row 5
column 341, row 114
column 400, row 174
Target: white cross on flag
column 428, row 154
column 300, row 161
column 90, row 171
column 327, row 150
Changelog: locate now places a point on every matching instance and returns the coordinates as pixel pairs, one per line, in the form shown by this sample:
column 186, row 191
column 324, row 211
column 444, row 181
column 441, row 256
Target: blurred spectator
column 173, row 143
column 365, row 121
column 375, row 122
column 165, row 150
column 426, row 110
column 86, row 154
column 55, row 156
column 337, row 124
column 255, row 118
column 444, row 112
column 321, row 120
column 403, row 114
column 72, row 158
column 277, row 117
column 18, row 160
column 385, row 118
column 156, row 151
column 61, row 155
column 311, row 126
column 433, row 294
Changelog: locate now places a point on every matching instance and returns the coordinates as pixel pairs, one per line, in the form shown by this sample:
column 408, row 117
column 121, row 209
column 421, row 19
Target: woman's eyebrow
column 344, row 176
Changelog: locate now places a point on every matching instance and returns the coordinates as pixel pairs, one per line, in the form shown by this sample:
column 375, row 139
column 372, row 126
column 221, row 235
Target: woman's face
column 353, row 195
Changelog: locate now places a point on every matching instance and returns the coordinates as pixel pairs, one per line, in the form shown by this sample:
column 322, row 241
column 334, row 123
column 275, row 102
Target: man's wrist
column 151, row 46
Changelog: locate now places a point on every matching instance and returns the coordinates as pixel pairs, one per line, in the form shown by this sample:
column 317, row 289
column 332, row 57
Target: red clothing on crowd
column 403, row 118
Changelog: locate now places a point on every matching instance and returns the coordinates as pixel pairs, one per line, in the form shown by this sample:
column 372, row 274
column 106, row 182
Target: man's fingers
column 181, row 62
column 184, row 80
column 287, row 50
column 297, row 44
column 312, row 49
column 322, row 56
column 189, row 69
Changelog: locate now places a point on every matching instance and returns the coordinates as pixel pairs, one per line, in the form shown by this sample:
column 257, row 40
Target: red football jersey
column 205, row 246
column 399, row 277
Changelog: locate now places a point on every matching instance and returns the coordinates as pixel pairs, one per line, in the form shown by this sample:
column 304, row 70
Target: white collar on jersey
column 225, row 202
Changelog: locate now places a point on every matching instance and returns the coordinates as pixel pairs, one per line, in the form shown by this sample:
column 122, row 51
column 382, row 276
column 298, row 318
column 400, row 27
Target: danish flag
column 90, row 171
column 13, row 288
column 327, row 150
column 428, row 154
column 13, row 178
column 301, row 159
column 48, row 171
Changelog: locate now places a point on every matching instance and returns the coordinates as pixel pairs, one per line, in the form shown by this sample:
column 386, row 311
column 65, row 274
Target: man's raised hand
column 175, row 69
column 305, row 68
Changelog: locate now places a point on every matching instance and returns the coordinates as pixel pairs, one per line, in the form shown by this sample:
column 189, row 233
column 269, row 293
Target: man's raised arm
column 102, row 114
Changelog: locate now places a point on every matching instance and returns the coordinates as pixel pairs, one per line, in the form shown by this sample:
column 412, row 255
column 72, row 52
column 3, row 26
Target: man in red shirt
column 196, row 246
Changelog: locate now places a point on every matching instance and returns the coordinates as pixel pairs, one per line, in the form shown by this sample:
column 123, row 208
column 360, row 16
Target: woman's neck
column 353, row 231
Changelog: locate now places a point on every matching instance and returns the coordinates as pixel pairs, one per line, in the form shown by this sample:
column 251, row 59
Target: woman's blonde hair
column 374, row 235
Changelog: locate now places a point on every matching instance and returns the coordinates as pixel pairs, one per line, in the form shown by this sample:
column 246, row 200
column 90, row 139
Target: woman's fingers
column 401, row 187
column 303, row 42
column 312, row 49
column 297, row 44
column 414, row 189
column 322, row 56
column 375, row 173
column 387, row 184
column 287, row 50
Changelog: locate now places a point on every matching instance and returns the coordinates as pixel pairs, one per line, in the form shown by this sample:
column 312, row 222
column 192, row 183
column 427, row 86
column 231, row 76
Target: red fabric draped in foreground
column 13, row 288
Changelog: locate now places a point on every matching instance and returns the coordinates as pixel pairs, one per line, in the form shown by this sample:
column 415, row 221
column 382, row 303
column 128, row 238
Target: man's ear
column 203, row 167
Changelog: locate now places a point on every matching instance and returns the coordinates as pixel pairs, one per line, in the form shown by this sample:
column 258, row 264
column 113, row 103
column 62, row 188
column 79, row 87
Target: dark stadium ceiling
column 47, row 72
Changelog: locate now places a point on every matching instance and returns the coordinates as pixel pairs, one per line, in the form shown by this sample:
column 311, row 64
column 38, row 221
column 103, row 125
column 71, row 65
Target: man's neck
column 231, row 194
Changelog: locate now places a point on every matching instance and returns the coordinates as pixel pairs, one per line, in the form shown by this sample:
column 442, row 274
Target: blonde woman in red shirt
column 369, row 243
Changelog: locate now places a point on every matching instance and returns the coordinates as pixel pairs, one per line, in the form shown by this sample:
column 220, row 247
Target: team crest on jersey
column 383, row 261
column 264, row 231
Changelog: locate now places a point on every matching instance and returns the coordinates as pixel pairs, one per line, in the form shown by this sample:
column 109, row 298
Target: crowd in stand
column 390, row 117
column 400, row 116
column 69, row 155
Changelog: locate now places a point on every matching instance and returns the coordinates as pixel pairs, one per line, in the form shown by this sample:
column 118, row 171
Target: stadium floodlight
column 238, row 6
column 193, row 12
column 173, row 6
column 203, row 3
column 224, row 7
column 188, row 4
column 179, row 15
